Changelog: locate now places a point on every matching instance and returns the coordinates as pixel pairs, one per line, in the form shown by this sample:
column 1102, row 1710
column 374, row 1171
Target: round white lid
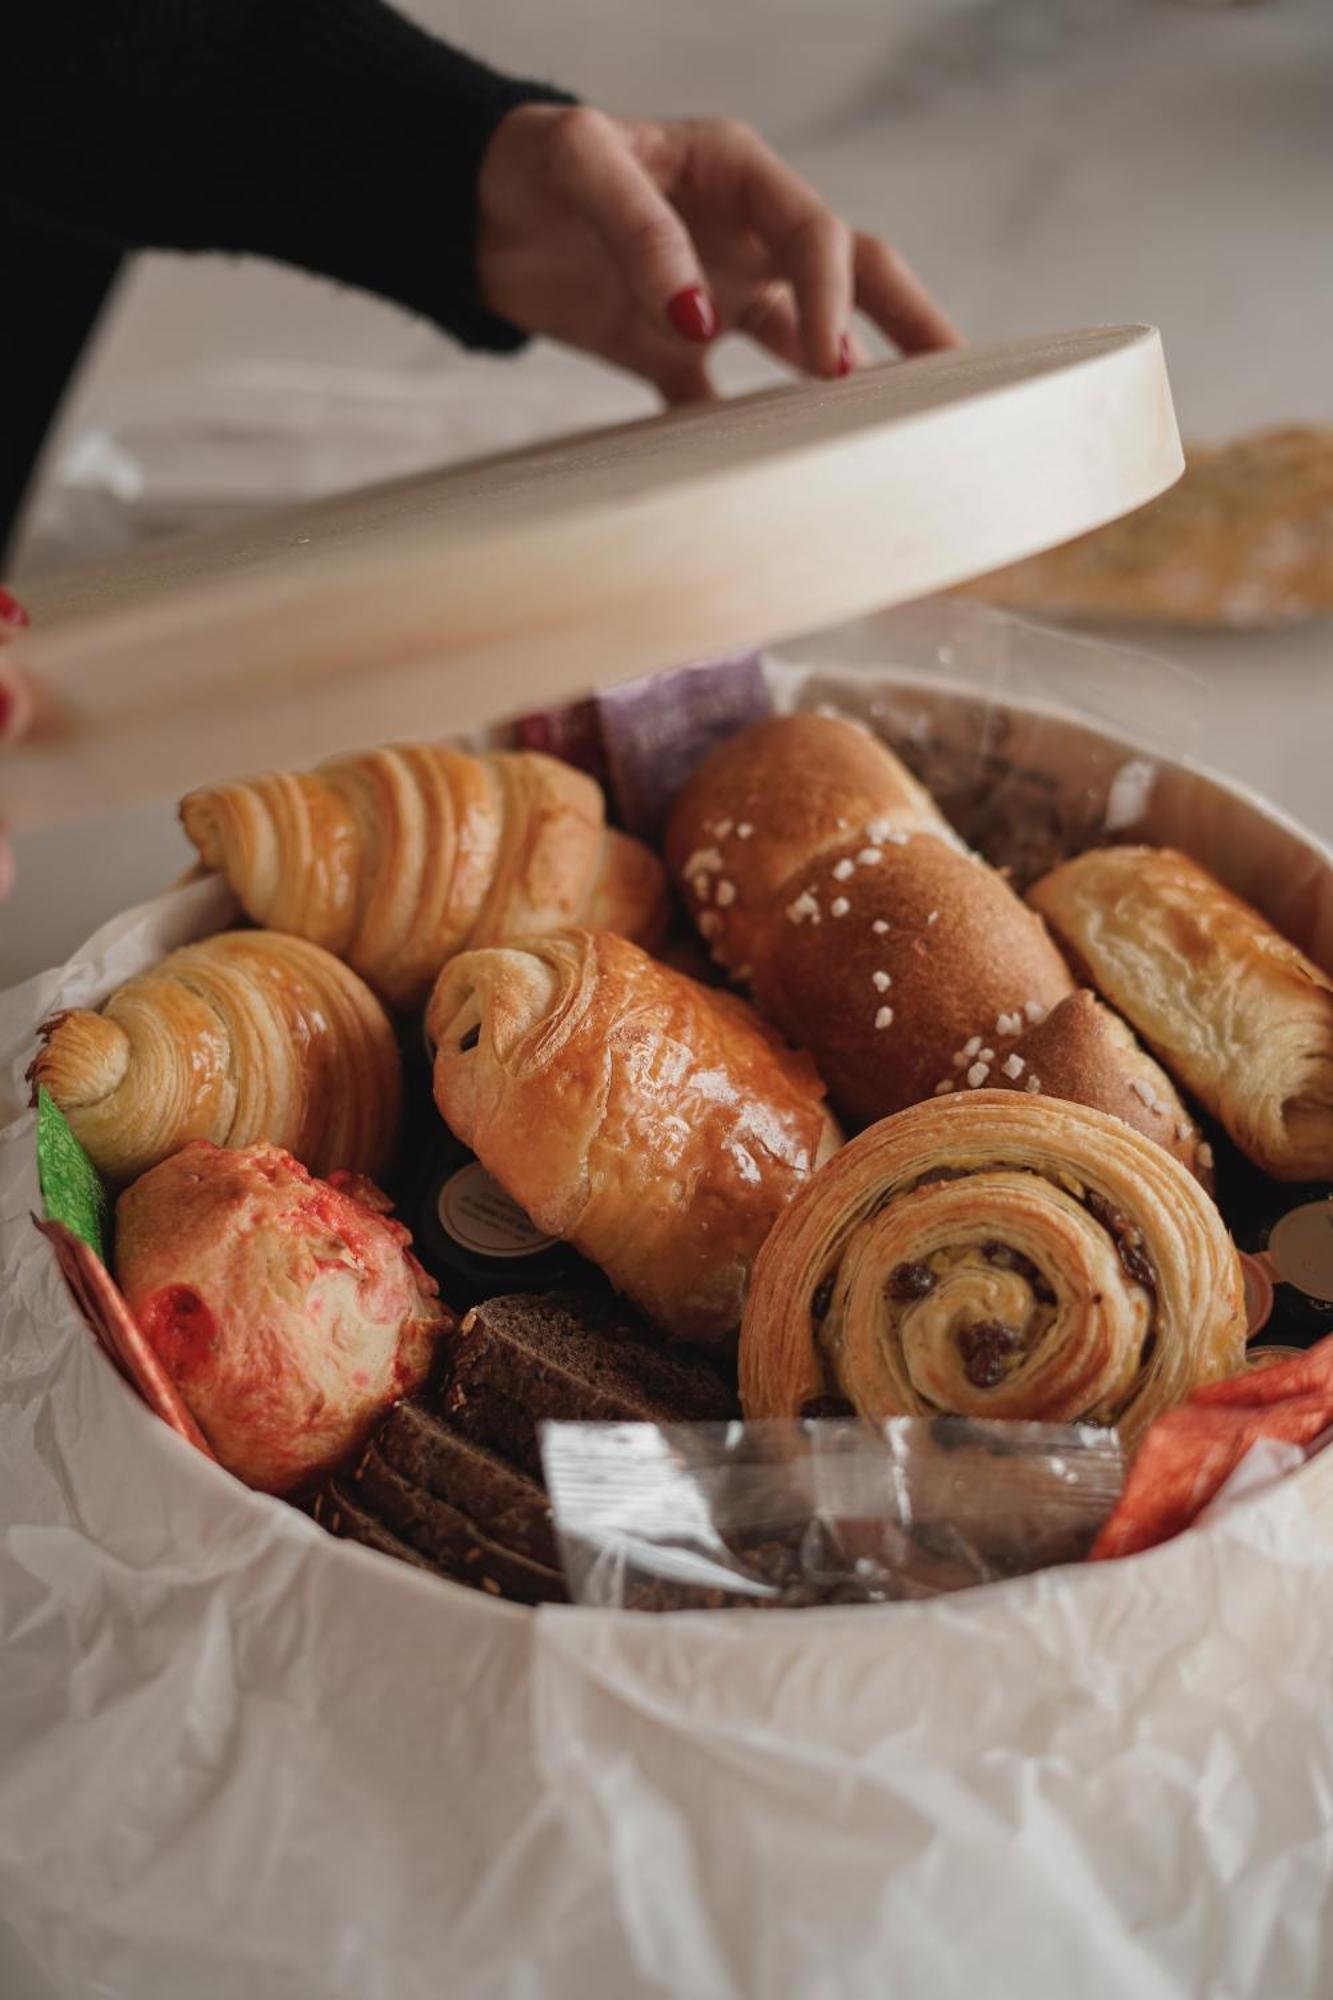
column 437, row 603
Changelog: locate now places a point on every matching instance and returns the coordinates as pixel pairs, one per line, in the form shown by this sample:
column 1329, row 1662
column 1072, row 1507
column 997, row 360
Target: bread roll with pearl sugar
column 1085, row 1054
column 1234, row 1011
column 900, row 966
column 771, row 799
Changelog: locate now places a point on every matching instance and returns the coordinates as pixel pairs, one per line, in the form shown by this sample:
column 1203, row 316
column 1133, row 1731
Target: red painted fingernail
column 845, row 362
column 11, row 611
column 693, row 314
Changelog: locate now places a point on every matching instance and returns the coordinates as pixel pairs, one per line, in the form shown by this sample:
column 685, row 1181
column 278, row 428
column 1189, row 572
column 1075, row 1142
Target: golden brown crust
column 995, row 1256
column 1236, row 1013
column 1086, row 1054
column 657, row 1126
column 1244, row 539
column 768, row 801
column 247, row 1036
column 888, row 968
column 395, row 859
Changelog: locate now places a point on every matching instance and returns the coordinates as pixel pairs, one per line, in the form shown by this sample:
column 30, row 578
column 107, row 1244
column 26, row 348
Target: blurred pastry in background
column 1244, row 539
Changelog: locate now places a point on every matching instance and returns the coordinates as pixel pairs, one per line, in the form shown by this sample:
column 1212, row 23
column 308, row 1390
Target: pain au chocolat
column 1235, row 1012
column 657, row 1126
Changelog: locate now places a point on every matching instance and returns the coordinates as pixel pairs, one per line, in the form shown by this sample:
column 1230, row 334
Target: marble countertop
column 1045, row 162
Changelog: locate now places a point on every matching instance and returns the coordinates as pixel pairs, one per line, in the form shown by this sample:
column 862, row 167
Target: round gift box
column 213, row 1677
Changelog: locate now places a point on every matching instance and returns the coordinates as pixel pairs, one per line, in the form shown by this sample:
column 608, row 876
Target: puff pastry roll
column 1234, row 1011
column 771, row 799
column 994, row 1256
column 398, row 858
column 248, row 1035
column 657, row 1126
column 1244, row 539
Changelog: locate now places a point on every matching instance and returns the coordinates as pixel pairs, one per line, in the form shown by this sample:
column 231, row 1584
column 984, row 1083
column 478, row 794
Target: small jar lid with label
column 477, row 1242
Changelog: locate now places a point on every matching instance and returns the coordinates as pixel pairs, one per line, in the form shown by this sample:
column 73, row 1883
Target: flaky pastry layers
column 398, row 858
column 994, row 1256
column 1235, row 1012
column 657, row 1126
column 245, row 1036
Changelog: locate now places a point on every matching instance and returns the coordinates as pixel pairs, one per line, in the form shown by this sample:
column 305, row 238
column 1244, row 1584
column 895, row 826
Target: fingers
column 889, row 292
column 683, row 382
column 771, row 320
column 15, row 693
column 16, row 705
column 597, row 171
column 808, row 243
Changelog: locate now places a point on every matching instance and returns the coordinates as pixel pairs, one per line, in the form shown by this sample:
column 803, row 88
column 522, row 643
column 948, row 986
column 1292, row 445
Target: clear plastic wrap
column 788, row 1515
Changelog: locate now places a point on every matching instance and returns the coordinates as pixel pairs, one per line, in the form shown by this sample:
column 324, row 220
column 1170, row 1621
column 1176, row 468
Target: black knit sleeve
column 333, row 134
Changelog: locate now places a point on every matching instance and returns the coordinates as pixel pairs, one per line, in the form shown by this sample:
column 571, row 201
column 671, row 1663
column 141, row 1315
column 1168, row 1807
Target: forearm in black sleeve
column 332, row 134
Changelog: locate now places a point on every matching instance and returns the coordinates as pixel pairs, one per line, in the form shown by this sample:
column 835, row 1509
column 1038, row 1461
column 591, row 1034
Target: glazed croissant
column 994, row 1256
column 396, row 859
column 1233, row 1010
column 658, row 1126
column 248, row 1035
column 771, row 799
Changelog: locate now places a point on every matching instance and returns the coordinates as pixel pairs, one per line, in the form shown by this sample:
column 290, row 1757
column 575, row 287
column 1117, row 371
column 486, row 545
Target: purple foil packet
column 573, row 734
column 658, row 730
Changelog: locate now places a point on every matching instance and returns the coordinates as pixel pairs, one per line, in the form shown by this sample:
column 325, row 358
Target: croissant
column 1242, row 540
column 396, row 859
column 248, row 1035
column 1234, row 1011
column 771, row 799
column 658, row 1126
column 994, row 1256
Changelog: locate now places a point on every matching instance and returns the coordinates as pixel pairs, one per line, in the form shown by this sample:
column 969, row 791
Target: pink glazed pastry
column 288, row 1311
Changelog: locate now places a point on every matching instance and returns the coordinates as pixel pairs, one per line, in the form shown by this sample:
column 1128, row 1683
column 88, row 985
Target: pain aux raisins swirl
column 994, row 1257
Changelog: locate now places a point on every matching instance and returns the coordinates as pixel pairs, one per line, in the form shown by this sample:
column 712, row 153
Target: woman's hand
column 15, row 712
column 640, row 241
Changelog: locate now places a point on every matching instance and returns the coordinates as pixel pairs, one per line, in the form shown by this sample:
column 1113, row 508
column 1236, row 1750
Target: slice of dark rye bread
column 451, row 1540
column 352, row 1509
column 511, row 1508
column 518, row 1362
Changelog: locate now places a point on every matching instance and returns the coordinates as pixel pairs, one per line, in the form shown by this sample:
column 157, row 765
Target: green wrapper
column 72, row 1189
